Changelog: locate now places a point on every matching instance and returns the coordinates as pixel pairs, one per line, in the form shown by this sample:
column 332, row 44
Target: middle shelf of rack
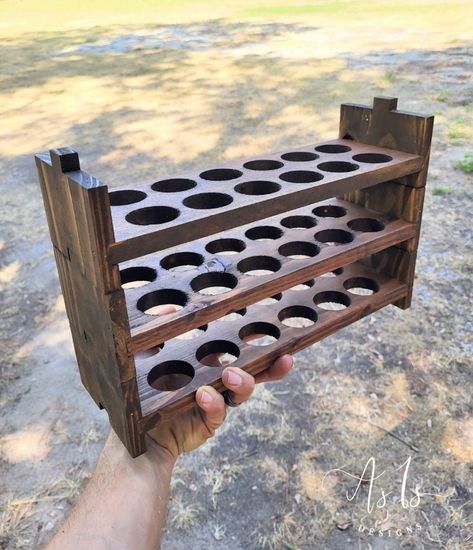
column 181, row 289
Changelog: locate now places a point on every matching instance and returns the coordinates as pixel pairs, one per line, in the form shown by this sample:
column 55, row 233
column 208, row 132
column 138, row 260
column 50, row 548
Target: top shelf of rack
column 152, row 216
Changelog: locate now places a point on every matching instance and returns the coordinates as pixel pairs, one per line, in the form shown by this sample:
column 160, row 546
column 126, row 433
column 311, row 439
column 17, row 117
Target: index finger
column 276, row 371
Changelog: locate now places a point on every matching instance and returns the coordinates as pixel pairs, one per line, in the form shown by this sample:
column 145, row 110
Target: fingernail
column 205, row 397
column 234, row 379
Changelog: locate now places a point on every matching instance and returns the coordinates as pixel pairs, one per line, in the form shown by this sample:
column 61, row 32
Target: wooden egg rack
column 240, row 252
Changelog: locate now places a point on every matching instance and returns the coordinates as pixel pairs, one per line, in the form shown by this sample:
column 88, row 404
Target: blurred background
column 145, row 89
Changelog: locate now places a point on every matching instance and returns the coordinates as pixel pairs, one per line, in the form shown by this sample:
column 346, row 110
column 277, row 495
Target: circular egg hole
column 162, row 302
column 170, row 375
column 361, row 286
column 299, row 222
column 334, row 236
column 333, row 148
column 257, row 187
column 259, row 265
column 152, row 215
column 299, row 250
column 301, row 176
column 333, row 273
column 134, row 277
column 299, row 156
column 337, row 166
column 214, row 282
column 207, row 201
column 303, row 286
column 221, row 174
column 233, row 316
column 147, row 353
column 298, row 316
column 372, row 158
column 269, row 301
column 264, row 233
column 259, row 333
column 263, row 164
column 329, row 211
column 191, row 334
column 182, row 261
column 225, row 246
column 126, row 196
column 173, row 185
column 367, row 225
column 217, row 353
column 332, row 300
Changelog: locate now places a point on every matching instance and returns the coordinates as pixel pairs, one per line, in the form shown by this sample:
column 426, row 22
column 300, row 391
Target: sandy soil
column 142, row 102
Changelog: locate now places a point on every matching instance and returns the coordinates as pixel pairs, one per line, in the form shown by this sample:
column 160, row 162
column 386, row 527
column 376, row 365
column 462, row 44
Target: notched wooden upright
column 78, row 212
column 384, row 125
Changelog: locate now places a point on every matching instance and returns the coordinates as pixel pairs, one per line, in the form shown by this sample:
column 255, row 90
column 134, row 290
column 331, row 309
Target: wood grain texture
column 134, row 240
column 384, row 125
column 151, row 330
column 393, row 201
column 266, row 212
column 81, row 230
column 160, row 405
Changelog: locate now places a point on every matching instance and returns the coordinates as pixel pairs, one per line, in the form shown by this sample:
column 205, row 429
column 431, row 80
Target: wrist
column 157, row 462
column 160, row 455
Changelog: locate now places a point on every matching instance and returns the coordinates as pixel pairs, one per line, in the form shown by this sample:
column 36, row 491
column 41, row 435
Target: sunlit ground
column 142, row 92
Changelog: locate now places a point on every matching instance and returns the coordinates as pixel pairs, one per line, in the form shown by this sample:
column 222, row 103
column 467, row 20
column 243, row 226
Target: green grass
column 457, row 129
column 466, row 164
column 389, row 76
column 26, row 16
column 441, row 96
column 290, row 10
column 442, row 190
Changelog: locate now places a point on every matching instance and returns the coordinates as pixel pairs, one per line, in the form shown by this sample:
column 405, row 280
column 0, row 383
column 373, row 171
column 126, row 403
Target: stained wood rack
column 249, row 260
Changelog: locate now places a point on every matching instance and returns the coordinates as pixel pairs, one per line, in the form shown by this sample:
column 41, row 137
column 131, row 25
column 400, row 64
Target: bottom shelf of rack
column 253, row 338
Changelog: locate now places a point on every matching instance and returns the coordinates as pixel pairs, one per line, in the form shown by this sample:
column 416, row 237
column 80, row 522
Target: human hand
column 192, row 428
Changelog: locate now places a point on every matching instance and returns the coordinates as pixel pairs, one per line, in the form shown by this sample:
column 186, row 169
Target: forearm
column 124, row 505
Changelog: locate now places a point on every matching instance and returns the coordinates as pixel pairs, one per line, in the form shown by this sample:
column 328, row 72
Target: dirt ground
column 140, row 102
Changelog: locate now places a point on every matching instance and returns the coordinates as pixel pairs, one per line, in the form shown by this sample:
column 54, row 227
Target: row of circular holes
column 164, row 214
column 216, row 282
column 175, row 374
column 193, row 333
column 219, row 282
column 181, row 261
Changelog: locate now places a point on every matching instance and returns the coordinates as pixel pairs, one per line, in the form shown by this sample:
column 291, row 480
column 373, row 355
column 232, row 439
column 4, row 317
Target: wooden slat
column 151, row 330
column 137, row 240
column 159, row 405
column 393, row 200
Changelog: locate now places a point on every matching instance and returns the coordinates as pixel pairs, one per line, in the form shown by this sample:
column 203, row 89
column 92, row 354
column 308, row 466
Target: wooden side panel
column 384, row 125
column 79, row 219
column 394, row 201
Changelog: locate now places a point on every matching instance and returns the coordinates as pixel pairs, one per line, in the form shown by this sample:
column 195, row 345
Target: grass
column 56, row 15
column 457, row 129
column 441, row 96
column 466, row 164
column 389, row 76
column 442, row 190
